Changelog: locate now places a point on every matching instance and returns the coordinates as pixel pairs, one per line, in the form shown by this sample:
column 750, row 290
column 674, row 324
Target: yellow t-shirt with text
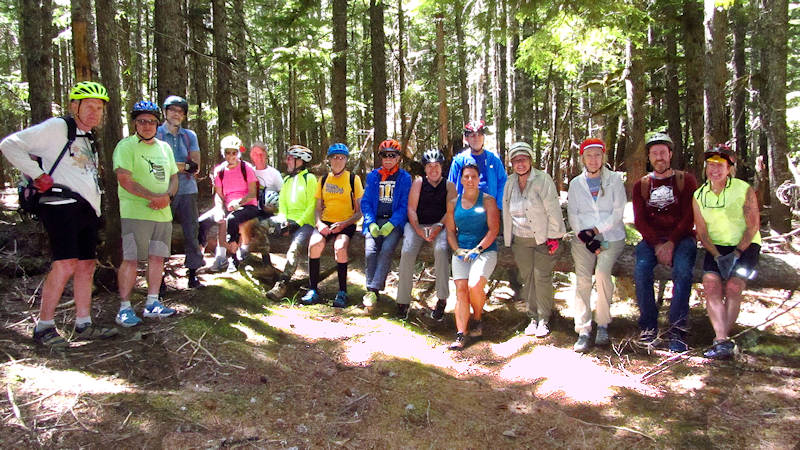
column 337, row 204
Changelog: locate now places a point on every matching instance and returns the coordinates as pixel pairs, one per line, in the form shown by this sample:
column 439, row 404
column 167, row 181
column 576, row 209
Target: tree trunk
column 339, row 71
column 36, row 23
column 716, row 74
column 241, row 76
column 169, row 41
column 739, row 101
column 693, row 49
column 461, row 52
column 198, row 37
column 58, row 86
column 672, row 94
column 441, row 85
column 378, row 57
column 401, row 69
column 773, row 106
column 502, row 82
column 222, row 68
column 635, row 158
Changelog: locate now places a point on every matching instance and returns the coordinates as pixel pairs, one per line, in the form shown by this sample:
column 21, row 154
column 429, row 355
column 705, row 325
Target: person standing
column 427, row 206
column 186, row 151
column 492, row 172
column 385, row 209
column 534, row 227
column 662, row 211
column 70, row 217
column 148, row 180
column 596, row 202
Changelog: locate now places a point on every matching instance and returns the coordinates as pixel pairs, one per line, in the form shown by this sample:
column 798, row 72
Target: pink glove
column 43, row 183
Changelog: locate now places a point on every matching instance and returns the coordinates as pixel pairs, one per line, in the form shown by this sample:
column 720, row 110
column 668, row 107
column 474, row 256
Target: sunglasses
column 231, row 152
column 389, row 155
column 146, row 122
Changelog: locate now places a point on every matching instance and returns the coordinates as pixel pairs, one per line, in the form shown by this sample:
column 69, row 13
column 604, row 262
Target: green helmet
column 88, row 89
column 659, row 138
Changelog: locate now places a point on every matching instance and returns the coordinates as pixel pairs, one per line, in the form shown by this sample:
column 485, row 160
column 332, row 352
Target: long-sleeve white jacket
column 606, row 213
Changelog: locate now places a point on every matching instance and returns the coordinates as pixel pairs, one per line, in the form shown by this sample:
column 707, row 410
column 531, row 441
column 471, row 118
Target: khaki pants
column 586, row 264
column 535, row 273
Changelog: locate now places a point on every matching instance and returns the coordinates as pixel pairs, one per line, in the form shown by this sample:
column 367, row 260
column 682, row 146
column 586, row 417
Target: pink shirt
column 234, row 186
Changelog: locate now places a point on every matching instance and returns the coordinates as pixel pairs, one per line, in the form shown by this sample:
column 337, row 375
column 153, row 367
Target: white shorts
column 482, row 266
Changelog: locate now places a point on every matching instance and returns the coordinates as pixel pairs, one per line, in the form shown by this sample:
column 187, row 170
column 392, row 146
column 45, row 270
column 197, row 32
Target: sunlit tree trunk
column 36, row 22
column 441, row 85
column 635, row 158
column 716, row 74
column 502, row 82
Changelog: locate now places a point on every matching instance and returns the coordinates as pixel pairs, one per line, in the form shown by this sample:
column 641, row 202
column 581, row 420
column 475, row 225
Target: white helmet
column 230, row 141
column 301, row 152
column 271, row 198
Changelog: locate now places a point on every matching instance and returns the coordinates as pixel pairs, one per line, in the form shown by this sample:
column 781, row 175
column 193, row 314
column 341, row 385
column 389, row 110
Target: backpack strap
column 72, row 134
column 645, row 182
column 353, row 190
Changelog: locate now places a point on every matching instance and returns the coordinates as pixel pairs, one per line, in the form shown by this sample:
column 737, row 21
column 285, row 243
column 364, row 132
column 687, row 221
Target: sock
column 221, row 252
column 151, row 298
column 45, row 324
column 82, row 322
column 124, row 305
column 341, row 269
column 313, row 272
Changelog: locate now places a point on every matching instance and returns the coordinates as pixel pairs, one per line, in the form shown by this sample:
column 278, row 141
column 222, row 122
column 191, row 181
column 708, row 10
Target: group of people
column 462, row 215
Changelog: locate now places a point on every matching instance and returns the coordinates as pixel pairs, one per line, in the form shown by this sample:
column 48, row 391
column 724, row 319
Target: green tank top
column 724, row 213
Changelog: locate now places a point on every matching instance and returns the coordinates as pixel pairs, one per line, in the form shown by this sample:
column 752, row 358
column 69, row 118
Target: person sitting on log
column 727, row 221
column 295, row 212
column 338, row 209
column 427, row 206
column 596, row 201
column 385, row 209
column 269, row 187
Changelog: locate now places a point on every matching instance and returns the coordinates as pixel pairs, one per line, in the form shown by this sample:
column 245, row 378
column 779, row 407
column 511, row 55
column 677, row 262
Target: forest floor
column 234, row 370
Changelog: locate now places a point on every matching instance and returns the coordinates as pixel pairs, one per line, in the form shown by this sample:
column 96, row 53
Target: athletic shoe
column 194, row 283
column 458, row 344
column 402, row 312
column 157, row 310
column 648, row 338
column 341, row 300
column 233, row 264
column 310, row 298
column 542, row 329
column 602, row 336
column 677, row 345
column 582, row 344
column 127, row 318
column 721, row 350
column 530, row 330
column 220, row 263
column 278, row 291
column 477, row 329
column 92, row 332
column 438, row 313
column 49, row 337
column 242, row 254
column 369, row 299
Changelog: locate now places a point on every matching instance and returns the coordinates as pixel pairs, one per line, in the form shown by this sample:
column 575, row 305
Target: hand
column 552, row 245
column 234, row 204
column 473, row 254
column 43, row 182
column 587, row 235
column 190, row 166
column 337, row 227
column 461, row 253
column 374, row 229
column 594, row 246
column 664, row 253
column 434, row 231
column 160, row 202
column 726, row 264
column 386, row 229
column 323, row 228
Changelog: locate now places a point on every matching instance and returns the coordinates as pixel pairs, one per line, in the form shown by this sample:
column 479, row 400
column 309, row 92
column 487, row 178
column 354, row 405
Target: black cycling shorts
column 72, row 229
column 348, row 231
column 745, row 267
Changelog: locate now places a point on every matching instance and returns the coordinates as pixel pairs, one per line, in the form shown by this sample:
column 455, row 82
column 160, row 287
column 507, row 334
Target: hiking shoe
column 530, row 330
column 582, row 344
column 721, row 350
column 369, row 299
column 278, row 291
column 438, row 313
column 602, row 336
column 49, row 337
column 310, row 298
column 458, row 344
column 477, row 329
column 402, row 312
column 542, row 329
column 341, row 300
column 157, row 310
column 127, row 318
column 194, row 283
column 92, row 332
column 220, row 263
column 648, row 338
column 233, row 264
column 677, row 345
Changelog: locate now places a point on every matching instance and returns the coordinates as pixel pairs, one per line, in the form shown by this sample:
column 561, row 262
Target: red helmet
column 593, row 143
column 390, row 144
column 475, row 126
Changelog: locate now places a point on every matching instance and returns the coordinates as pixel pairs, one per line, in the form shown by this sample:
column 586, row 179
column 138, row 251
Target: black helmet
column 721, row 150
column 432, row 155
column 174, row 100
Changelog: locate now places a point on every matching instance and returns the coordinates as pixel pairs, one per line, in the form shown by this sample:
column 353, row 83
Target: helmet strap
column 145, row 139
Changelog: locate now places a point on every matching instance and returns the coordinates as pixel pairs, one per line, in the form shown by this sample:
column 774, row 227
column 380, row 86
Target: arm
column 555, row 220
column 572, row 206
column 321, row 227
column 157, row 201
column 369, row 201
column 34, row 141
column 684, row 226
column 400, row 213
column 450, row 225
column 502, row 178
column 752, row 218
column 702, row 230
column 619, row 199
column 492, row 219
column 413, row 201
column 640, row 212
column 310, row 204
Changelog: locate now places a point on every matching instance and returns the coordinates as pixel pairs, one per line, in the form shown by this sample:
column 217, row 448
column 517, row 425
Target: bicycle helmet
column 475, row 126
column 721, row 150
column 592, row 143
column 300, row 152
column 230, row 141
column 145, row 107
column 174, row 100
column 271, row 198
column 88, row 89
column 432, row 155
column 520, row 148
column 389, row 144
column 659, row 138
column 338, row 149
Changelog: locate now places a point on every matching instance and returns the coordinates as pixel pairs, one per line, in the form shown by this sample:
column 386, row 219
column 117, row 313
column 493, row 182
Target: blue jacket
column 496, row 175
column 369, row 202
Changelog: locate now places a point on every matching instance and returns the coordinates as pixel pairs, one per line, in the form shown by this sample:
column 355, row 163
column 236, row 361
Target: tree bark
column 716, row 74
column 401, row 69
column 502, row 82
column 222, row 68
column 339, row 71
column 378, row 57
column 198, row 13
column 169, row 41
column 441, row 87
column 461, row 53
column 693, row 49
column 81, row 39
column 36, row 22
column 241, row 77
column 672, row 94
column 739, row 101
column 635, row 158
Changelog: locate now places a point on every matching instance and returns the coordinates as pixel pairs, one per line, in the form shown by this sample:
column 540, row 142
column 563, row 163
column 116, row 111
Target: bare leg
column 717, row 313
column 733, row 296
column 126, row 278
column 477, row 298
column 155, row 271
column 340, row 247
column 462, row 305
column 316, row 245
column 57, row 278
column 82, row 286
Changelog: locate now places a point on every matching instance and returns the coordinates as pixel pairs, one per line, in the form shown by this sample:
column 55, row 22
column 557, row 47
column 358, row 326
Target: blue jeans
column 379, row 254
column 683, row 260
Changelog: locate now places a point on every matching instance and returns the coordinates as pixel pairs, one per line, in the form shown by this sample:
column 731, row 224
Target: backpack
column 222, row 174
column 29, row 196
column 352, row 188
column 679, row 184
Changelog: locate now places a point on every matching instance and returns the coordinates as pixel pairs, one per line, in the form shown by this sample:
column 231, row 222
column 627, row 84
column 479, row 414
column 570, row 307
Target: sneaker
column 278, row 291
column 233, row 264
column 310, row 298
column 530, row 330
column 220, row 263
column 242, row 254
column 677, row 345
column 92, row 332
column 602, row 336
column 477, row 329
column 369, row 299
column 127, row 318
column 194, row 283
column 721, row 350
column 49, row 337
column 458, row 344
column 648, row 338
column 582, row 344
column 157, row 310
column 402, row 312
column 438, row 313
column 542, row 329
column 341, row 300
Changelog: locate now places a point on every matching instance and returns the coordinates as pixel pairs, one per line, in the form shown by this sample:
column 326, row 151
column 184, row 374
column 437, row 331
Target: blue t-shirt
column 481, row 160
column 186, row 182
column 594, row 186
column 472, row 224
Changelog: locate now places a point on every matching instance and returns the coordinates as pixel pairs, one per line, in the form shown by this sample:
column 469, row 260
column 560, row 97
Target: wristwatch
column 480, row 248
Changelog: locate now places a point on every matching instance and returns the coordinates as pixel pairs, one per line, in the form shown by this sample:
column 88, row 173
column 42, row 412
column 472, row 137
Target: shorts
column 745, row 267
column 143, row 238
column 348, row 231
column 482, row 266
column 72, row 229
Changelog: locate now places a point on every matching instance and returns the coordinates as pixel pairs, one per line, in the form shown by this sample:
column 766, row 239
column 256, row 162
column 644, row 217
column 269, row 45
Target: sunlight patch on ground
column 578, row 377
column 689, row 383
column 39, row 379
column 252, row 336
